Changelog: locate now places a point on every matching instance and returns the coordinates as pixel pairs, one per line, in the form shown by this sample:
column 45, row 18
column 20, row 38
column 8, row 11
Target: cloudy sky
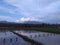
column 33, row 10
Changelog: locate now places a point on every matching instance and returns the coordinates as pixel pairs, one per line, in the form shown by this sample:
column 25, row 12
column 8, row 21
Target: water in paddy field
column 9, row 38
column 42, row 37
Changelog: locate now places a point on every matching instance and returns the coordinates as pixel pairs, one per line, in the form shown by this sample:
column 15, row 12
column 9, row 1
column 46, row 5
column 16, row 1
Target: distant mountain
column 32, row 22
column 3, row 21
column 25, row 22
column 6, row 22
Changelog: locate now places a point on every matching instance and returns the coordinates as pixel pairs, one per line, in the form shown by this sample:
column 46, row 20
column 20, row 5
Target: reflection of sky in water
column 43, row 37
column 8, row 38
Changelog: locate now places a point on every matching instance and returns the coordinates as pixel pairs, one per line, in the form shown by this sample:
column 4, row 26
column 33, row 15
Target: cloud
column 21, row 20
column 48, row 10
column 7, row 18
column 35, row 7
column 8, row 8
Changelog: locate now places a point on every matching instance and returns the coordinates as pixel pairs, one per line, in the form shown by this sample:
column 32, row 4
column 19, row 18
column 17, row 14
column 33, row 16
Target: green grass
column 45, row 29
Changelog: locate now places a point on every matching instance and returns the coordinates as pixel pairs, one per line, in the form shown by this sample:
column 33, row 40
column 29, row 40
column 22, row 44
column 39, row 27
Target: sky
column 30, row 10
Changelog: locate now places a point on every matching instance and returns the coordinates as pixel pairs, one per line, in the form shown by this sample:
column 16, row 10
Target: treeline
column 17, row 25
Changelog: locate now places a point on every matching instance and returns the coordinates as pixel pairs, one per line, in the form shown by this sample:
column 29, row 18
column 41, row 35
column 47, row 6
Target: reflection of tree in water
column 48, row 35
column 11, row 40
column 4, row 41
column 43, row 35
column 16, row 39
column 35, row 36
column 30, row 36
column 39, row 35
column 10, row 32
